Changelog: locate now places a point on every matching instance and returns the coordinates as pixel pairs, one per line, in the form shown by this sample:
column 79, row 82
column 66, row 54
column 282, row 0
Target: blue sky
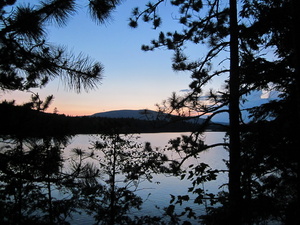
column 133, row 79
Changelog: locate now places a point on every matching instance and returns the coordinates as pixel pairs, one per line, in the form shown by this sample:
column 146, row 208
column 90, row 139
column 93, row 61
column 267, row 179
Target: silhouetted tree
column 234, row 185
column 37, row 104
column 31, row 169
column 262, row 27
column 211, row 27
column 27, row 60
column 121, row 164
column 270, row 142
column 274, row 27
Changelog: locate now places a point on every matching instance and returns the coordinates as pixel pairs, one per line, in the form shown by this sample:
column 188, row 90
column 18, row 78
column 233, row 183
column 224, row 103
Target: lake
column 157, row 194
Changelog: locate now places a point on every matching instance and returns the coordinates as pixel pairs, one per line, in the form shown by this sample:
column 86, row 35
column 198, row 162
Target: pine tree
column 234, row 184
column 28, row 61
column 214, row 28
column 258, row 28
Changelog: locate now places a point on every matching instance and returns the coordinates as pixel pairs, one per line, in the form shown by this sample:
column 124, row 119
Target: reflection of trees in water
column 31, row 169
column 36, row 189
column 116, row 165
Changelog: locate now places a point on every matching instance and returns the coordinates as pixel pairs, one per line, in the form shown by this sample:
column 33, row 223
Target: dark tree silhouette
column 120, row 164
column 212, row 28
column 31, row 170
column 234, row 184
column 27, row 60
column 262, row 27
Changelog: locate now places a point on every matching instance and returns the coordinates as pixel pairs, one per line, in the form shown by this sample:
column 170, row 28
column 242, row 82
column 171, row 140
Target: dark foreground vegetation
column 40, row 186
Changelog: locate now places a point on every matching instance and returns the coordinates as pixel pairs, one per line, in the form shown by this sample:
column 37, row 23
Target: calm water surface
column 157, row 193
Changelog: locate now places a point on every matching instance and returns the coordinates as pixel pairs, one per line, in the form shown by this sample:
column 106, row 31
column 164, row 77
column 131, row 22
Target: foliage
column 115, row 165
column 30, row 171
column 38, row 186
column 37, row 104
column 189, row 147
column 269, row 60
column 198, row 28
column 28, row 61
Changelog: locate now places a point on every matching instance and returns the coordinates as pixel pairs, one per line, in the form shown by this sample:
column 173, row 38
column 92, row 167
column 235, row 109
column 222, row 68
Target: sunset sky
column 133, row 79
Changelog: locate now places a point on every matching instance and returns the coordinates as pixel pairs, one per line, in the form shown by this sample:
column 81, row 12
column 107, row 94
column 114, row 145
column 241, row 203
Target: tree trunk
column 113, row 188
column 234, row 112
column 296, row 36
column 51, row 220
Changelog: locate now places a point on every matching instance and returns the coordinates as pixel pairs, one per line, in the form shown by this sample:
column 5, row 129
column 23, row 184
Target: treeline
column 20, row 120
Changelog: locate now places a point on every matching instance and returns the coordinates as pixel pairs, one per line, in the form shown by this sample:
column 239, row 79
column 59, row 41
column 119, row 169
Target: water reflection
column 99, row 179
column 30, row 172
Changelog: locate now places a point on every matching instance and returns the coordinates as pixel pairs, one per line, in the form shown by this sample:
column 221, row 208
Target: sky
column 133, row 79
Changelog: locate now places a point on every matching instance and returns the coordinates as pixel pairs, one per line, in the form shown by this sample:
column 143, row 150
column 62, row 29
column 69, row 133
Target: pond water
column 157, row 194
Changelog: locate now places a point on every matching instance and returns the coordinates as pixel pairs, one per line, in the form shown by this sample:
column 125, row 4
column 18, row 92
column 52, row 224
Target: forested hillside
column 20, row 120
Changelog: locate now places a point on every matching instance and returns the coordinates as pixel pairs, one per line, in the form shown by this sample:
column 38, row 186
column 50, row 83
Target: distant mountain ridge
column 141, row 114
column 25, row 122
column 145, row 114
